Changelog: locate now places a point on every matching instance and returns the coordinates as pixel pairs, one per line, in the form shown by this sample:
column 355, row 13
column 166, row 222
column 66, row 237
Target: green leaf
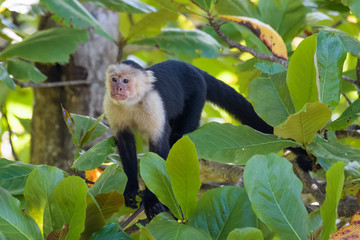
column 87, row 128
column 347, row 117
column 334, row 185
column 68, row 206
column 47, row 46
column 204, row 4
column 13, row 223
column 271, row 69
column 24, row 71
column 330, row 56
column 237, row 8
column 303, row 126
column 289, row 19
column 110, row 203
column 354, row 6
column 158, row 20
column 95, row 156
column 182, row 6
column 113, row 178
column 5, row 77
column 13, row 175
column 37, row 193
column 236, row 144
column 183, row 43
column 334, row 152
column 94, row 220
column 153, row 171
column 72, row 13
column 351, row 44
column 110, row 232
column 314, row 221
column 275, row 195
column 245, row 233
column 129, row 6
column 182, row 165
column 271, row 93
column 165, row 229
column 221, row 210
column 301, row 74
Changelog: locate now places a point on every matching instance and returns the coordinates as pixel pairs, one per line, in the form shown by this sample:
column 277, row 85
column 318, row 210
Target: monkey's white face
column 127, row 85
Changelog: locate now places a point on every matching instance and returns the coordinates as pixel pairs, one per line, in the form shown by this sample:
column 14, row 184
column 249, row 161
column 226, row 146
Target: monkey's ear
column 111, row 69
column 150, row 76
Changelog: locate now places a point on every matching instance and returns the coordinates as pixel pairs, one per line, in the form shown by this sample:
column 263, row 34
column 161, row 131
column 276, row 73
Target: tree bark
column 51, row 143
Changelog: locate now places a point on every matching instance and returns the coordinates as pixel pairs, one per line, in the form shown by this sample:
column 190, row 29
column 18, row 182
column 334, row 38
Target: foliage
column 305, row 99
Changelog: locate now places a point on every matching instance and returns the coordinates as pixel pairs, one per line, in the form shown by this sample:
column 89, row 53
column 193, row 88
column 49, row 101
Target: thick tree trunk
column 51, row 142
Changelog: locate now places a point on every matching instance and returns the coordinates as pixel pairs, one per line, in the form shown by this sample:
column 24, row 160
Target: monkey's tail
column 234, row 103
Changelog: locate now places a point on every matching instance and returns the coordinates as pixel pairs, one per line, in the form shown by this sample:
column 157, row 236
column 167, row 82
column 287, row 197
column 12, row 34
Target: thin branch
column 10, row 140
column 310, row 184
column 56, row 84
column 233, row 44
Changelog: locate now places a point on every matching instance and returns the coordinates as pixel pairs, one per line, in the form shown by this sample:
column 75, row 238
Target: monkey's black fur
column 183, row 89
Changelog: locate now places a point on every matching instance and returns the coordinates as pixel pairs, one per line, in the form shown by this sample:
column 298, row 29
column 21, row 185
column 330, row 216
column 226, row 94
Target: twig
column 133, row 216
column 233, row 44
column 56, row 84
column 10, row 140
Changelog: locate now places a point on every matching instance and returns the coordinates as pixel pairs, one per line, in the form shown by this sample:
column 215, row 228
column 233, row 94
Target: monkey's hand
column 130, row 196
column 152, row 205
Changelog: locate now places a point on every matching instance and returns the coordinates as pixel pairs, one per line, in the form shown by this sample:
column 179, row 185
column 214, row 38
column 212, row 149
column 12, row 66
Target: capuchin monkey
column 163, row 102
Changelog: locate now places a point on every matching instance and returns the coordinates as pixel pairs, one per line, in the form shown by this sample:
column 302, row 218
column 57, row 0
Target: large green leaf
column 95, row 156
column 237, row 8
column 113, row 178
column 13, row 175
column 170, row 229
column 72, row 13
column 236, row 144
column 37, row 193
column 347, row 117
column 48, row 46
column 330, row 56
column 303, row 126
column 22, row 70
column 184, row 43
column 275, row 195
column 221, row 210
column 204, row 4
column 334, row 185
column 14, row 225
column 110, row 232
column 153, row 171
column 333, row 152
column 271, row 93
column 129, row 6
column 68, row 206
column 182, row 165
column 158, row 20
column 246, row 233
column 351, row 44
column 5, row 77
column 289, row 19
column 301, row 74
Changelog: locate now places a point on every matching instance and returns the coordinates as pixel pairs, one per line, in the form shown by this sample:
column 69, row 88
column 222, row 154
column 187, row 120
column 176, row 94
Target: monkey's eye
column 114, row 79
column 125, row 80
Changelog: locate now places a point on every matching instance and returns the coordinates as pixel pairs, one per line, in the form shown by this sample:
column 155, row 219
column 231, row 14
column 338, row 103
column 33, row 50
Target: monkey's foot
column 154, row 209
column 130, row 199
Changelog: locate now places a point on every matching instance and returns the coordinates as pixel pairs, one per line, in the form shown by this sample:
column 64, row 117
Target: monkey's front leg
column 125, row 141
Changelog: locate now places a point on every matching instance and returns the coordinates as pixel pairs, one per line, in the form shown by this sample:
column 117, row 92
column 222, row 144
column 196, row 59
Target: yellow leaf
column 264, row 31
column 302, row 126
column 351, row 231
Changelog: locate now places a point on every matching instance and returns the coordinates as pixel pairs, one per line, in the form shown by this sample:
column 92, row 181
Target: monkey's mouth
column 118, row 96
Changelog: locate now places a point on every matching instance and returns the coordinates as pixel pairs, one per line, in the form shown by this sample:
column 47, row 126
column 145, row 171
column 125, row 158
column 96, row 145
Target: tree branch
column 233, row 44
column 55, row 84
